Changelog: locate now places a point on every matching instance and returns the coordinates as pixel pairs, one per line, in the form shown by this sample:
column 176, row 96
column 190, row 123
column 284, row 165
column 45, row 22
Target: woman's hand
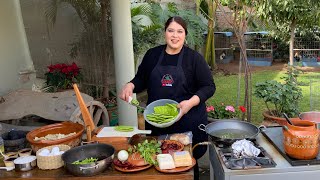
column 126, row 91
column 186, row 105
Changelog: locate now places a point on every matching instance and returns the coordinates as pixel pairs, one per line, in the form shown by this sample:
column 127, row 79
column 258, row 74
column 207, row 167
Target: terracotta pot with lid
column 301, row 140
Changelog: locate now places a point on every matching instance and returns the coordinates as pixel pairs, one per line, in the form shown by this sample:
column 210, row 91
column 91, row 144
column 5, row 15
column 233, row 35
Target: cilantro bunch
column 147, row 150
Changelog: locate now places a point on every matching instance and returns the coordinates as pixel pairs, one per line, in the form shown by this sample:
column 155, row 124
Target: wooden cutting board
column 111, row 132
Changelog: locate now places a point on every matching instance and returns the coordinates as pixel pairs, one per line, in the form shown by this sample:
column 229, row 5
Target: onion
column 123, row 155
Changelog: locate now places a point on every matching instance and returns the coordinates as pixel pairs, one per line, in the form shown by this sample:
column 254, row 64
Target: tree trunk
column 213, row 48
column 105, row 61
column 210, row 48
column 292, row 28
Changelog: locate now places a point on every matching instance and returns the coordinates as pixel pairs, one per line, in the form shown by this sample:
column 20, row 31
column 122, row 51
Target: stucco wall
column 49, row 45
column 15, row 60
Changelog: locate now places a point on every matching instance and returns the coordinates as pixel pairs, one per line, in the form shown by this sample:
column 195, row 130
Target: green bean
column 135, row 102
column 123, row 128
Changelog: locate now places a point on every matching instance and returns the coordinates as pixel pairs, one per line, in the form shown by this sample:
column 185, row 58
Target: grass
column 227, row 88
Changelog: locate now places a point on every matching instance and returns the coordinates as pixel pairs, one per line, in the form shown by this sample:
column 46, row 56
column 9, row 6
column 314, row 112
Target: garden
column 226, row 92
column 236, row 90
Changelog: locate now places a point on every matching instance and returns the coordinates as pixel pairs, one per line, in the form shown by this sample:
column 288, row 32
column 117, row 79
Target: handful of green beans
column 123, row 128
column 135, row 102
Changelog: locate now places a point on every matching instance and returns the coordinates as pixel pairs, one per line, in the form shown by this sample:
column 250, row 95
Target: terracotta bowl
column 62, row 128
column 279, row 120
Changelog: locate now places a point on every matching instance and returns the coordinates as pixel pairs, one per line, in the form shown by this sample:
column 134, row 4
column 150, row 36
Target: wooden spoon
column 84, row 111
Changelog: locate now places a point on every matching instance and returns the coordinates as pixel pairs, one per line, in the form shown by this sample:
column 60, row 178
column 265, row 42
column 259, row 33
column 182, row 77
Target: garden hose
column 201, row 143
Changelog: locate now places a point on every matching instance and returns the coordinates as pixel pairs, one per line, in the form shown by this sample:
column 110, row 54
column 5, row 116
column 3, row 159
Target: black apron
column 169, row 82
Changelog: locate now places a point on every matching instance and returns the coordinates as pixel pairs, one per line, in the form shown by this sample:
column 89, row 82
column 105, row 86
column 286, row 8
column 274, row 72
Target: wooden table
column 109, row 174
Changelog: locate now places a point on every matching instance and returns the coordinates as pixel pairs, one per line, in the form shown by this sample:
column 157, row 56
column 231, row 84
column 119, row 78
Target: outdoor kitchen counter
column 283, row 169
column 109, row 174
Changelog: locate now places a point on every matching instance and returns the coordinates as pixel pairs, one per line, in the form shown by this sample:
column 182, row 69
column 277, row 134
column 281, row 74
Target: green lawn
column 227, row 88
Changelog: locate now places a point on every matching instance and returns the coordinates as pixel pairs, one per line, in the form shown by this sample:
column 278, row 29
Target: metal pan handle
column 202, row 127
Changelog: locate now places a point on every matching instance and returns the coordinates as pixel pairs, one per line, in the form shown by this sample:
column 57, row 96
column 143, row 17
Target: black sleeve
column 203, row 78
column 141, row 78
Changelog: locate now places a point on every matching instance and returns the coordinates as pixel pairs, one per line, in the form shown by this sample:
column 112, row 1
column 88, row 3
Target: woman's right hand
column 126, row 91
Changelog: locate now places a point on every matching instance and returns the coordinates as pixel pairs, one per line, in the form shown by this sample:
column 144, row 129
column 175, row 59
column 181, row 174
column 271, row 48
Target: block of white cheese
column 182, row 158
column 165, row 161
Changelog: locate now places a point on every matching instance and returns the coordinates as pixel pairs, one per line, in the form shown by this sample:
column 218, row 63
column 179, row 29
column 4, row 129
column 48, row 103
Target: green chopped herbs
column 86, row 161
column 123, row 128
column 148, row 150
column 163, row 114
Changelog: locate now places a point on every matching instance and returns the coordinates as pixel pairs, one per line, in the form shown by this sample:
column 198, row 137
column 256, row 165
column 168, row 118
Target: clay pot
column 57, row 128
column 279, row 120
column 301, row 140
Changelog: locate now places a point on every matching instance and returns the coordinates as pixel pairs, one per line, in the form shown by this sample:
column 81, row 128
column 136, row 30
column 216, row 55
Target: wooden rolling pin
column 84, row 111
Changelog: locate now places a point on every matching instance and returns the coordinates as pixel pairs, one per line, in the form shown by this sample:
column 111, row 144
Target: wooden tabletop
column 110, row 173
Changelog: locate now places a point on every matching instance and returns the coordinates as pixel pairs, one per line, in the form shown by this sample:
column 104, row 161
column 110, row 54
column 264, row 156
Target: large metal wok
column 228, row 131
column 103, row 152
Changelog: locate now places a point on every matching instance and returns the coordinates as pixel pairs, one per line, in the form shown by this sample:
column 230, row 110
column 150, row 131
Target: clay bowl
column 62, row 128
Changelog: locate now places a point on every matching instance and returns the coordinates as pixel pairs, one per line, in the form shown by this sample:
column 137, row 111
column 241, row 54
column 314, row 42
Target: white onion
column 123, row 155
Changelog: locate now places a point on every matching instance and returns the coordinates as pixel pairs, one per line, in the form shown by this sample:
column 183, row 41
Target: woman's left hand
column 185, row 107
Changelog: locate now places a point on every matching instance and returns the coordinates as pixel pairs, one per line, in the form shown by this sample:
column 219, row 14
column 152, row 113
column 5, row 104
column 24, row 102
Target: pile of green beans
column 161, row 118
column 123, row 128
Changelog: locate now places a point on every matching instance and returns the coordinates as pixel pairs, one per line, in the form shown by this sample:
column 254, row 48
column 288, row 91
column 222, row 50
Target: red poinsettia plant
column 61, row 76
column 222, row 111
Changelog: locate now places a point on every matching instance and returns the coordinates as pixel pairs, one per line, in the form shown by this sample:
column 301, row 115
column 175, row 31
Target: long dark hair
column 178, row 20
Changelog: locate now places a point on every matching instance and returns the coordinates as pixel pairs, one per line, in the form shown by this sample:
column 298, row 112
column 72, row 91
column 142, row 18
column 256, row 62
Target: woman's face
column 175, row 36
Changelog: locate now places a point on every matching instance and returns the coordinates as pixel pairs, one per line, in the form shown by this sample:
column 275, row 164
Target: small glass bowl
column 9, row 162
column 11, row 155
column 25, row 152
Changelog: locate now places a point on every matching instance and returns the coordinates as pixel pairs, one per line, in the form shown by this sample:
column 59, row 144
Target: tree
column 208, row 8
column 242, row 13
column 288, row 15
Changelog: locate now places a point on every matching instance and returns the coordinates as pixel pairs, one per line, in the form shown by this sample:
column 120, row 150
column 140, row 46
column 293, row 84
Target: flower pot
column 279, row 120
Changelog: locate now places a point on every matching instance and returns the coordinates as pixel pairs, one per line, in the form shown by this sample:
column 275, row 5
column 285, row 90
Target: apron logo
column 167, row 80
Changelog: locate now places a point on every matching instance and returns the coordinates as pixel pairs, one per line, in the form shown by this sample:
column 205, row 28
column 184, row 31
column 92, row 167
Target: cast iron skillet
column 232, row 128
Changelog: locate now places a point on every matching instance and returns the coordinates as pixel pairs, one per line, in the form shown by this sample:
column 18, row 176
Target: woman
column 174, row 71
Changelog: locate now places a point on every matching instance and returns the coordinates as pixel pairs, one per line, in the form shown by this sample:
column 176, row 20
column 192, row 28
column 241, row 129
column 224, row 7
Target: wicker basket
column 51, row 162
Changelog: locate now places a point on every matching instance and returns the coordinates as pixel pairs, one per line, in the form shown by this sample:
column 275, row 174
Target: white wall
column 16, row 66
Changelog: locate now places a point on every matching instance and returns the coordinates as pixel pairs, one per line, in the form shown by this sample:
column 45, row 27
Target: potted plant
column 62, row 76
column 280, row 97
column 222, row 111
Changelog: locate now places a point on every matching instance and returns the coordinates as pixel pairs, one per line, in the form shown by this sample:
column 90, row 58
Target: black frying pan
column 229, row 131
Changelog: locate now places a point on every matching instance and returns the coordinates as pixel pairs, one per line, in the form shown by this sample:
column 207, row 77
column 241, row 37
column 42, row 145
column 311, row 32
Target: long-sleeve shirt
column 198, row 75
